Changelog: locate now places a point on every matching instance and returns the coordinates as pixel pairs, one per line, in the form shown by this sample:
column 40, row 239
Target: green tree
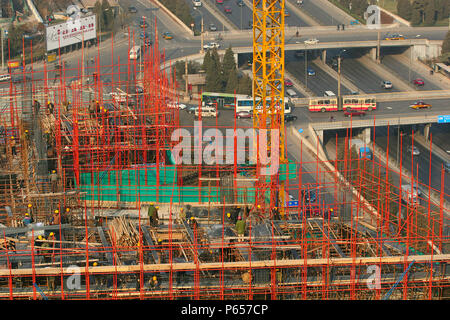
column 417, row 16
column 214, row 76
column 15, row 40
column 245, row 85
column 446, row 44
column 228, row 64
column 107, row 15
column 404, row 9
column 232, row 82
column 430, row 13
column 207, row 61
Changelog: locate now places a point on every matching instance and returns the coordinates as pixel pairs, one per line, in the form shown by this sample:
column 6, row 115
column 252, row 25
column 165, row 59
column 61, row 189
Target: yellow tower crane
column 268, row 79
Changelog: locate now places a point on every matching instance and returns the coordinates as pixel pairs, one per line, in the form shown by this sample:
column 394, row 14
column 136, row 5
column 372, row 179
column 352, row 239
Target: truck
column 362, row 148
column 410, row 195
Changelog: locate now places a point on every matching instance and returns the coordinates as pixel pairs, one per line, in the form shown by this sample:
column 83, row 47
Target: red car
column 288, row 83
column 243, row 115
column 418, row 82
column 219, row 1
column 227, row 9
column 353, row 113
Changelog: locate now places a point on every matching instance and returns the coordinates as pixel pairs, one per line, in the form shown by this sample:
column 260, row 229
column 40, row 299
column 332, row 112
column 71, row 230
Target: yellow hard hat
column 159, row 240
column 51, row 234
column 67, row 209
column 331, row 210
column 152, row 203
column 275, row 208
column 12, row 137
column 95, row 264
column 228, row 215
column 56, row 211
column 53, row 171
column 26, row 131
column 154, row 278
column 69, row 102
column 259, row 207
column 48, row 102
column 26, row 214
column 40, row 237
column 182, row 209
column 192, row 218
column 157, row 207
column 29, row 205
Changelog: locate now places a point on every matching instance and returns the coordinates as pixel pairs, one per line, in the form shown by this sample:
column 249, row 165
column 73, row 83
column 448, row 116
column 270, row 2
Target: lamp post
column 306, row 66
column 339, row 77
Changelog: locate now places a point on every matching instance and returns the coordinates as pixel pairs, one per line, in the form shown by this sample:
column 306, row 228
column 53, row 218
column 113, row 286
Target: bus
column 223, row 100
column 135, row 53
column 246, row 104
column 323, row 104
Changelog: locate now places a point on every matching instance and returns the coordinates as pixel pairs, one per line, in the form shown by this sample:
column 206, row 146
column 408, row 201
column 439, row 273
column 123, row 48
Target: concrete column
column 366, row 135
column 426, row 132
column 324, row 56
column 373, row 54
column 320, row 135
column 236, row 56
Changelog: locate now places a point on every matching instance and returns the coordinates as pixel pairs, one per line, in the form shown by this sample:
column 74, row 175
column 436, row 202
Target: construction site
column 81, row 170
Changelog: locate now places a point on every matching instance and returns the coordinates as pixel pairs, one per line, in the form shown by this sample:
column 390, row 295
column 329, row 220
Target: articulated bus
column 246, row 104
column 223, row 100
column 228, row 100
column 324, row 104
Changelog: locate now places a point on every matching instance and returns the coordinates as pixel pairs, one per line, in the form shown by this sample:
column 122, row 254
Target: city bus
column 135, row 53
column 223, row 100
column 245, row 103
column 323, row 104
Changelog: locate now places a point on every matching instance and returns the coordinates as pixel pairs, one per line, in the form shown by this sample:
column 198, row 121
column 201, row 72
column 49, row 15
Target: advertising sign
column 71, row 32
column 444, row 119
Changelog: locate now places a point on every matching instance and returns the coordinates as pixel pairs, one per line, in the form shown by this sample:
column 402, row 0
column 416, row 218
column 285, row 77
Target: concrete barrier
column 34, row 11
column 173, row 17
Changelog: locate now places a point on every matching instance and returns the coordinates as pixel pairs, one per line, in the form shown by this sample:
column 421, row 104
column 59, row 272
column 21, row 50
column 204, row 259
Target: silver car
column 414, row 150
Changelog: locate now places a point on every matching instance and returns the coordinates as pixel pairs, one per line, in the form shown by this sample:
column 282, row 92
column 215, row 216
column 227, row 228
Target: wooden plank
column 240, row 264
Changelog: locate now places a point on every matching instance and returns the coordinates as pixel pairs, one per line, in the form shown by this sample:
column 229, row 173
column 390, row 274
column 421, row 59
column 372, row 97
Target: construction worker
column 51, row 236
column 182, row 215
column 30, row 210
column 194, row 223
column 188, row 211
column 13, row 146
column 275, row 214
column 27, row 135
column 27, row 220
column 152, row 213
column 228, row 218
column 50, row 107
column 45, row 250
column 240, row 228
column 91, row 108
column 154, row 284
column 54, row 180
column 56, row 218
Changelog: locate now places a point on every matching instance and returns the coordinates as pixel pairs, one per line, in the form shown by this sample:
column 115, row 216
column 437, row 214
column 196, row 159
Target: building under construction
column 86, row 166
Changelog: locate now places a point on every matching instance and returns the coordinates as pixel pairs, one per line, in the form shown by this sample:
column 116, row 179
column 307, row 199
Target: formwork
column 358, row 239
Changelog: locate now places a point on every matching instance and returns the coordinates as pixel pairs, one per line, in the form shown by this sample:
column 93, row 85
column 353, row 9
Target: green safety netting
column 126, row 185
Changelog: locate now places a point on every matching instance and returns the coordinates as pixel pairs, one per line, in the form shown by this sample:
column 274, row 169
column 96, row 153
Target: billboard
column 70, row 32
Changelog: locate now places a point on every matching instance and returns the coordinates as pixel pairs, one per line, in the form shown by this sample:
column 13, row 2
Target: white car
column 176, row 105
column 197, row 3
column 415, row 151
column 211, row 45
column 386, row 84
column 311, row 41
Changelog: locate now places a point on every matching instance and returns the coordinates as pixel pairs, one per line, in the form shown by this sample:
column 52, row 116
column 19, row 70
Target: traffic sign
column 292, row 203
column 444, row 119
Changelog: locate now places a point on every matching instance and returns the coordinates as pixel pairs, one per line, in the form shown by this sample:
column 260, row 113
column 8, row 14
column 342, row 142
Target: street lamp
column 201, row 31
column 339, row 76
